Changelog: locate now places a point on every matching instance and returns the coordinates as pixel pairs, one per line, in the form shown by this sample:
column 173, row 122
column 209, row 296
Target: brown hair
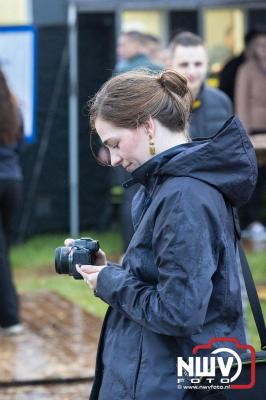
column 129, row 99
column 186, row 39
column 135, row 36
column 9, row 116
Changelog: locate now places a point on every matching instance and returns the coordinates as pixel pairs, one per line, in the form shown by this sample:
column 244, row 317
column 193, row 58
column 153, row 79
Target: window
column 224, row 35
column 152, row 22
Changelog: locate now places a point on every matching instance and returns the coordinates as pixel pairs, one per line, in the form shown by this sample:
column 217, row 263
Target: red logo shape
column 238, row 346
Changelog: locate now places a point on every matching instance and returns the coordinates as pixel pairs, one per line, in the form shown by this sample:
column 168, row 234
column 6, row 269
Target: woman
column 178, row 285
column 11, row 133
column 250, row 95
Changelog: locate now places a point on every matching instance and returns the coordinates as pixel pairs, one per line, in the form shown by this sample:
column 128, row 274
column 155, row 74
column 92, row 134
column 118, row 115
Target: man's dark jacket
column 139, row 61
column 178, row 286
column 228, row 75
column 212, row 109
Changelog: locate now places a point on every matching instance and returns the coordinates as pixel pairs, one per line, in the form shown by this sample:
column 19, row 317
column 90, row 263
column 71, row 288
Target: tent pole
column 73, row 121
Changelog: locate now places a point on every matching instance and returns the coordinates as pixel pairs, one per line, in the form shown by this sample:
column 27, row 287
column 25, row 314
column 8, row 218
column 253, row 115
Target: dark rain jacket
column 178, row 286
column 9, row 162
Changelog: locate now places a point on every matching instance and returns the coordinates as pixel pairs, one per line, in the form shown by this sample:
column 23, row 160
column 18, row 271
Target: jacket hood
column 226, row 161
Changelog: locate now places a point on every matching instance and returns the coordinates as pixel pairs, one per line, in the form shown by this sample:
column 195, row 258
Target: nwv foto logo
column 228, row 366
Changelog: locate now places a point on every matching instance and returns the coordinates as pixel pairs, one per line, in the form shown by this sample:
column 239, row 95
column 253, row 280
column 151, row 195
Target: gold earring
column 151, row 146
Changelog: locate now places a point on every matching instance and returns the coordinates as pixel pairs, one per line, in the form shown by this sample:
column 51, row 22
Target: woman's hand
column 90, row 273
column 100, row 257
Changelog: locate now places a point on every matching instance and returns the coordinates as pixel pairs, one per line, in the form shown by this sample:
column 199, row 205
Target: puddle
column 59, row 342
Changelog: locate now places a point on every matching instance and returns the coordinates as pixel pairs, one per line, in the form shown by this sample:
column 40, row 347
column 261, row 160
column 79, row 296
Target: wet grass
column 33, row 263
column 39, row 250
column 257, row 262
column 34, row 270
column 253, row 337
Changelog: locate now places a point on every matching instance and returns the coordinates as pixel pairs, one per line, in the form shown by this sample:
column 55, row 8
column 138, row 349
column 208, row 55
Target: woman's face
column 128, row 147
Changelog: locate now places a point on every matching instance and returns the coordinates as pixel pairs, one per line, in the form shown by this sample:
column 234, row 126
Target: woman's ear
column 150, row 127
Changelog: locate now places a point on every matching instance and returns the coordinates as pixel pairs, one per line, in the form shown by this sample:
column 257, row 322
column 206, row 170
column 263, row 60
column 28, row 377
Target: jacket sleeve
column 185, row 257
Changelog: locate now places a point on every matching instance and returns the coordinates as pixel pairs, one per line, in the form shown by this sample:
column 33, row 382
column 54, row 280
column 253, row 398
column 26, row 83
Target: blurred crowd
column 11, row 138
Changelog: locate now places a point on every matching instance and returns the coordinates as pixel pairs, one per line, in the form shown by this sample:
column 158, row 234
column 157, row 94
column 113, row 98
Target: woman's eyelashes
column 113, row 146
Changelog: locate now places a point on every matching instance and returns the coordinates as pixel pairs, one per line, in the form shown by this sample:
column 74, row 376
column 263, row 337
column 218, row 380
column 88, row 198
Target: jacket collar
column 146, row 174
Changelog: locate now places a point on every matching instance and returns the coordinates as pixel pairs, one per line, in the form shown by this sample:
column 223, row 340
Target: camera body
column 80, row 252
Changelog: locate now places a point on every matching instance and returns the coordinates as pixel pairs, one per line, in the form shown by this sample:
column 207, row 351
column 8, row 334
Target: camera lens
column 62, row 255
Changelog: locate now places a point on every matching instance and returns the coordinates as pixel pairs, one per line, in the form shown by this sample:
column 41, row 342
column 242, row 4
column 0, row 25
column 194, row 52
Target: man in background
column 211, row 107
column 250, row 105
column 229, row 71
column 133, row 52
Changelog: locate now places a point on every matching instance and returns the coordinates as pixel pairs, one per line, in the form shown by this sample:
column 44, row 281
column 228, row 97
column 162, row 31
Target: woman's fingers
column 101, row 253
column 89, row 269
column 100, row 258
column 68, row 242
column 90, row 273
column 91, row 280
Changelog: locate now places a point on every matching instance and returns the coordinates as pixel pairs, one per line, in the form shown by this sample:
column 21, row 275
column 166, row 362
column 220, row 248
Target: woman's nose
column 115, row 160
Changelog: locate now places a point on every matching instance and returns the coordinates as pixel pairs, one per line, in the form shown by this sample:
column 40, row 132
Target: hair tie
column 161, row 80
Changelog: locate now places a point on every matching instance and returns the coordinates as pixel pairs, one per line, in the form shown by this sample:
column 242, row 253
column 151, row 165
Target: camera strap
column 250, row 285
column 253, row 297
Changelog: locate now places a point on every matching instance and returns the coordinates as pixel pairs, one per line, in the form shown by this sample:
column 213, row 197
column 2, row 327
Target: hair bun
column 172, row 81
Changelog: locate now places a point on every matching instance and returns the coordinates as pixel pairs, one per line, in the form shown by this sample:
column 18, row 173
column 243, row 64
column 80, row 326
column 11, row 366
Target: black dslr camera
column 80, row 252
